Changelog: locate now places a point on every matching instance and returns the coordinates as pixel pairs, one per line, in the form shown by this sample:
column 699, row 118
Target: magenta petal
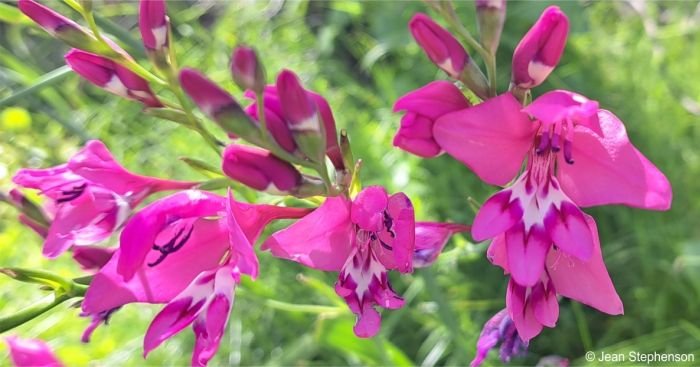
column 368, row 208
column 176, row 316
column 433, row 100
column 526, row 253
column 31, row 353
column 253, row 217
column 608, row 169
column 368, row 322
column 95, row 163
column 403, row 225
column 498, row 214
column 241, row 248
column 207, row 245
column 320, row 240
column 491, row 138
column 141, row 231
column 92, row 257
column 568, row 230
column 558, row 105
column 497, row 254
column 585, row 281
column 431, row 238
column 545, row 305
column 522, row 312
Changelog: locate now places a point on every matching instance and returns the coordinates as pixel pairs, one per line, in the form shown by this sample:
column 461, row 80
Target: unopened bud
column 540, row 49
column 246, row 69
column 302, row 115
column 260, row 170
column 218, row 104
column 111, row 76
column 59, row 26
column 154, row 25
column 442, row 48
column 490, row 16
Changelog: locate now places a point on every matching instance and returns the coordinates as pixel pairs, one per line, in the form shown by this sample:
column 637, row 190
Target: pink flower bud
column 259, row 169
column 154, row 24
column 61, row 27
column 423, row 107
column 540, row 50
column 246, row 69
column 111, row 77
column 298, row 107
column 441, row 47
column 490, row 16
column 217, row 103
column 47, row 18
column 274, row 118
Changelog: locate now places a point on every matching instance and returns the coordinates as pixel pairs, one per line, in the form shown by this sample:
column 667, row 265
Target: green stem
column 48, row 79
column 583, row 331
column 29, row 313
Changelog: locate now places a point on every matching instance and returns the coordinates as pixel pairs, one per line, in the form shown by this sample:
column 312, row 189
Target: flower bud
column 246, row 69
column 59, row 26
column 154, row 24
column 260, row 170
column 423, row 107
column 302, row 116
column 490, row 15
column 111, row 77
column 442, row 48
column 274, row 118
column 540, row 50
column 447, row 53
column 218, row 104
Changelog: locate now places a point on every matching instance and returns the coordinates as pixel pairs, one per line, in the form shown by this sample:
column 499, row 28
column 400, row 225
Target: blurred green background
column 639, row 59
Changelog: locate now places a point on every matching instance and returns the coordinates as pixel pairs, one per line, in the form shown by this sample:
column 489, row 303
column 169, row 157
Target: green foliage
column 640, row 62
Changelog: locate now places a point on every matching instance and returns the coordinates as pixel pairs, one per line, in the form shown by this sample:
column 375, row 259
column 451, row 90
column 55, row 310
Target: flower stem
column 29, row 313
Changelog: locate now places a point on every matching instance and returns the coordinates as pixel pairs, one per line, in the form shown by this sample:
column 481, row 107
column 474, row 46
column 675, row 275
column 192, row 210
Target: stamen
column 170, row 247
column 555, row 143
column 544, row 143
column 72, row 194
column 568, row 146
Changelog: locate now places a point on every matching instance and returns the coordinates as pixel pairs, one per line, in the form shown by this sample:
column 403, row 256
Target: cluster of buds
column 291, row 126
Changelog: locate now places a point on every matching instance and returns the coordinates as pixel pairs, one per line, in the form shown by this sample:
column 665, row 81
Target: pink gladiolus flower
column 31, row 352
column 112, row 77
column 540, row 49
column 536, row 306
column 246, row 69
column 442, row 48
column 541, row 207
column 500, row 329
column 186, row 250
column 154, row 24
column 431, row 238
column 259, row 169
column 279, row 125
column 423, row 106
column 362, row 239
column 91, row 196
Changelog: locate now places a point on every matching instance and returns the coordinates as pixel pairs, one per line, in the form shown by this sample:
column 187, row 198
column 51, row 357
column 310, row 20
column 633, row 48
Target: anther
column 544, row 143
column 72, row 194
column 171, row 246
column 568, row 147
